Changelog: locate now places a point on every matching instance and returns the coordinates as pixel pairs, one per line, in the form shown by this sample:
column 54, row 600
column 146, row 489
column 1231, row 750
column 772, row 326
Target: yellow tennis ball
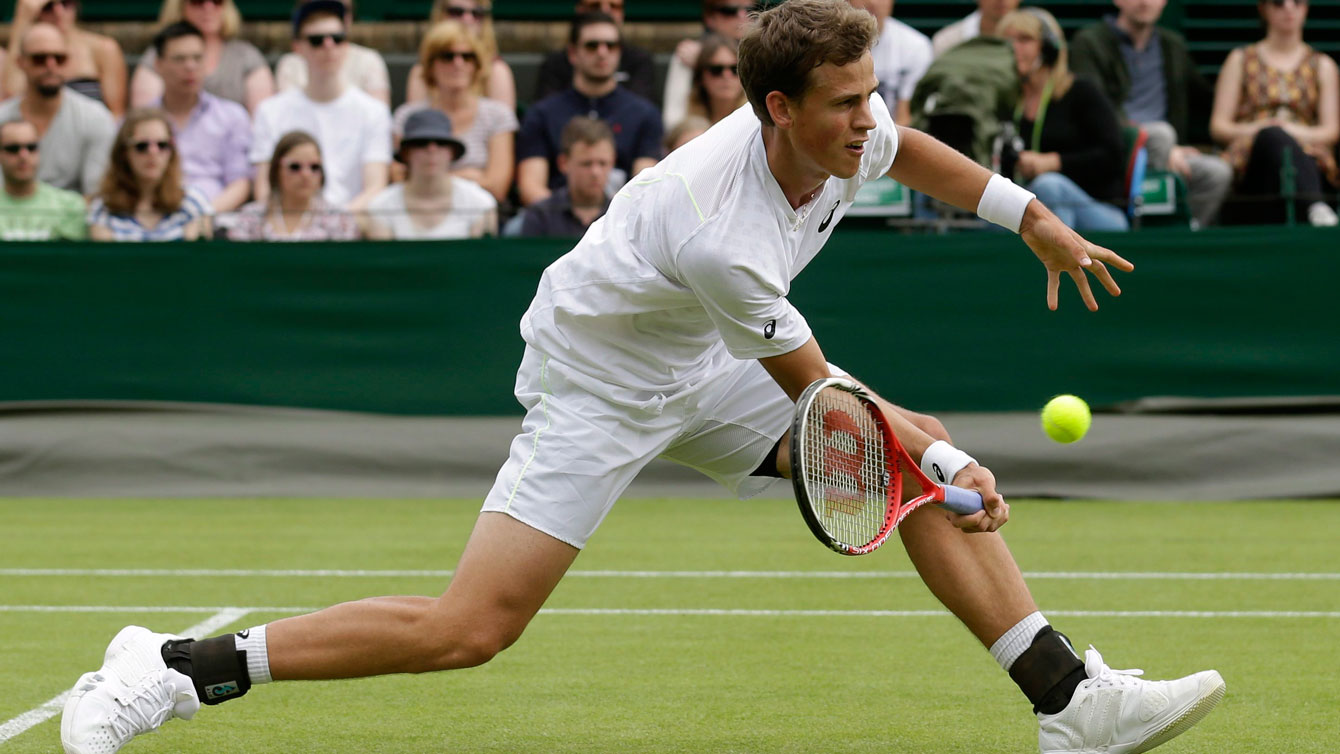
column 1066, row 418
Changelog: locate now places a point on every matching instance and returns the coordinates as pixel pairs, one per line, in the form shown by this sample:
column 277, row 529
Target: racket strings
column 845, row 460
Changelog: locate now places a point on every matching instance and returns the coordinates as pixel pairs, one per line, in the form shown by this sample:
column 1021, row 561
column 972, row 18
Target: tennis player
column 667, row 332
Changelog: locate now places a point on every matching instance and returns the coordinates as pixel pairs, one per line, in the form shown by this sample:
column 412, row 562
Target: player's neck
column 799, row 178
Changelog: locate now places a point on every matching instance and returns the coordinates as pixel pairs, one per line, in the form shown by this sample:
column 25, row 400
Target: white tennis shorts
column 580, row 447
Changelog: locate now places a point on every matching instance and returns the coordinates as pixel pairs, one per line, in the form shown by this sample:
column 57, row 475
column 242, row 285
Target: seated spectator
column 352, row 127
column 634, row 70
column 76, row 131
column 1276, row 97
column 1147, row 73
column 981, row 22
column 143, row 197
column 727, row 18
column 477, row 17
column 685, row 131
column 594, row 49
column 96, row 67
column 717, row 91
column 364, row 67
column 431, row 203
column 901, row 56
column 586, row 162
column 1073, row 158
column 234, row 69
column 295, row 210
column 454, row 61
column 31, row 210
column 213, row 134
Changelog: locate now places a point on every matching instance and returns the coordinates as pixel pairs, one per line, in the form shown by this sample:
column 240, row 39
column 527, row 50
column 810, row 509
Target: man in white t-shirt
column 901, row 58
column 352, row 128
column 363, row 67
column 666, row 332
column 980, row 23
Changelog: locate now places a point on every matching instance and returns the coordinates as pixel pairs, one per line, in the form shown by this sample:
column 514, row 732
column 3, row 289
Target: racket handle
column 961, row 501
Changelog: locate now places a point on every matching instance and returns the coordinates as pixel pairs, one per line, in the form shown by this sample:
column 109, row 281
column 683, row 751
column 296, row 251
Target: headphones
column 1052, row 45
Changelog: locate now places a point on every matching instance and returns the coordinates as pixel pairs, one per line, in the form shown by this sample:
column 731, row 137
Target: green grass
column 687, row 683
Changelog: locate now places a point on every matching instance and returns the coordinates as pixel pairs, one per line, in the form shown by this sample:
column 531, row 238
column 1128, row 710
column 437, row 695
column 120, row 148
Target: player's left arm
column 925, row 164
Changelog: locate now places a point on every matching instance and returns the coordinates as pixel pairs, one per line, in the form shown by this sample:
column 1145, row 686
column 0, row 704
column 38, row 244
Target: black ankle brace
column 1048, row 671
column 217, row 669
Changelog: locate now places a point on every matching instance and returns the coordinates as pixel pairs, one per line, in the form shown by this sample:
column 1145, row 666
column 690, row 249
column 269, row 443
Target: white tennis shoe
column 1116, row 713
column 134, row 692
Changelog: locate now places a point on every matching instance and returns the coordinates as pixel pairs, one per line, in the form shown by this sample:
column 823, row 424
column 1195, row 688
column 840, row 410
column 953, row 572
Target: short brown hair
column 584, row 130
column 785, row 44
column 120, row 189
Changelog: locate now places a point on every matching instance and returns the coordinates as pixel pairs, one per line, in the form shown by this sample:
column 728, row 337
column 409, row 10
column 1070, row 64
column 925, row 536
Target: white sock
column 252, row 641
column 1008, row 647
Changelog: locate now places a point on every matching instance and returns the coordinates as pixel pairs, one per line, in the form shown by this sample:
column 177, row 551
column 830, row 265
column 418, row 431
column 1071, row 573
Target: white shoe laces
column 145, row 708
column 1100, row 675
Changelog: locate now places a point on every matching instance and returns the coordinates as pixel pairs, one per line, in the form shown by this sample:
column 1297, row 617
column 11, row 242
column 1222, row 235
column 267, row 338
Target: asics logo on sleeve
column 770, row 329
column 824, row 225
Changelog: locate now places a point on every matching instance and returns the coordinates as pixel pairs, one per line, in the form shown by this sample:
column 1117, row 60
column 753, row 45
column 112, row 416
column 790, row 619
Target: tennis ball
column 1066, row 418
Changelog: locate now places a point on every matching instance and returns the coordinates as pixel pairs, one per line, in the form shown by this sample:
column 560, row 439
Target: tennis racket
column 847, row 469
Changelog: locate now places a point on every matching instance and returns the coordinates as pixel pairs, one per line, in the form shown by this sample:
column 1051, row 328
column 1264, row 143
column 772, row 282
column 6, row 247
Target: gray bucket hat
column 430, row 124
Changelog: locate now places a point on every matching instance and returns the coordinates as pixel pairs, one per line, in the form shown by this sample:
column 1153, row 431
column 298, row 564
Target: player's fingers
column 1085, row 292
column 1053, row 288
column 1111, row 257
column 1104, row 275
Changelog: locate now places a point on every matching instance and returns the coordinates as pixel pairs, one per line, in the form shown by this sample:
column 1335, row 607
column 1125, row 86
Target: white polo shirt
column 692, row 263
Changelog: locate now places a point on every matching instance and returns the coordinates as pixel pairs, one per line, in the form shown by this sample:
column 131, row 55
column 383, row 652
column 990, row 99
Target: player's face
column 832, row 121
column 1141, row 12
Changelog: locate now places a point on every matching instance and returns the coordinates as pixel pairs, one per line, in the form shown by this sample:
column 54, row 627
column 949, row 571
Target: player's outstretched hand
column 1061, row 249
column 995, row 511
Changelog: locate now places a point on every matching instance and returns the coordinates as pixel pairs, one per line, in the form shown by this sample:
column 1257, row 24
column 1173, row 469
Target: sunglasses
column 443, row 143
column 41, row 58
column 47, row 8
column 730, row 10
column 479, row 13
column 16, row 148
column 1280, row 3
column 218, row 3
column 717, row 69
column 297, row 167
column 143, row 147
column 450, row 56
column 319, row 40
column 593, row 45
column 599, row 6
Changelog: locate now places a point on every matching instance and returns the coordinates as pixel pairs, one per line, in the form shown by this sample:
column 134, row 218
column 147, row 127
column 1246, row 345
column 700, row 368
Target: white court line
column 223, row 616
column 130, row 609
column 345, row 573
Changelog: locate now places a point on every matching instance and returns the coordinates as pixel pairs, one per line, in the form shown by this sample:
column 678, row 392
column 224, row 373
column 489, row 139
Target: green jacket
column 1096, row 52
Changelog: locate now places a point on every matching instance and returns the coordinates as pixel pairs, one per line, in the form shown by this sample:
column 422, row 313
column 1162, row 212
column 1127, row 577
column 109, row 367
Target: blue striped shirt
column 172, row 227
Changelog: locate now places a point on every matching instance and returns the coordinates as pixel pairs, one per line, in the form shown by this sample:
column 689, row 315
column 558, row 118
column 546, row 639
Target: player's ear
column 779, row 108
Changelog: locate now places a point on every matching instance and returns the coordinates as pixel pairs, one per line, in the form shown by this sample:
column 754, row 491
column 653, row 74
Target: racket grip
column 962, row 501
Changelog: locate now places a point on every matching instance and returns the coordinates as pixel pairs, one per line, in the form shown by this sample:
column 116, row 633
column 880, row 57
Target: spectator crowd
column 203, row 139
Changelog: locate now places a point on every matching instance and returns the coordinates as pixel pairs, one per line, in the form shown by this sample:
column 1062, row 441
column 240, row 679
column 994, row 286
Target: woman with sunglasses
column 431, row 203
column 477, row 16
column 143, row 197
column 295, row 210
column 453, row 62
column 234, row 68
column 1275, row 98
column 96, row 66
column 717, row 91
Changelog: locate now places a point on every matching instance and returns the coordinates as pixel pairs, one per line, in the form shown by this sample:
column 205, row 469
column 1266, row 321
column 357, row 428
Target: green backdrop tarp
column 936, row 322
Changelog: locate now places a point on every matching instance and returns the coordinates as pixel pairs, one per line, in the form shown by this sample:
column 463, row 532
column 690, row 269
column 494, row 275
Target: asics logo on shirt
column 770, row 329
column 824, row 225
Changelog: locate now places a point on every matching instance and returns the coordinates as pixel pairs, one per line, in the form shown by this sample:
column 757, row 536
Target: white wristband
column 1003, row 203
column 942, row 461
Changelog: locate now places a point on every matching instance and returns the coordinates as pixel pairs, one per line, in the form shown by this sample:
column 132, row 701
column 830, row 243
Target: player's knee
column 467, row 644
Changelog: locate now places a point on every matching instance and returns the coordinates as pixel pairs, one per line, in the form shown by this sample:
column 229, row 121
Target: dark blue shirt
column 636, row 124
column 1148, row 100
column 553, row 217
